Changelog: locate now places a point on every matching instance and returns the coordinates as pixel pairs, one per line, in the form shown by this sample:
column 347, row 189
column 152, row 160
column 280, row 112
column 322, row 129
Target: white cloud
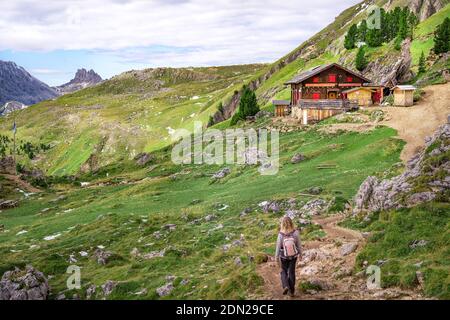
column 196, row 32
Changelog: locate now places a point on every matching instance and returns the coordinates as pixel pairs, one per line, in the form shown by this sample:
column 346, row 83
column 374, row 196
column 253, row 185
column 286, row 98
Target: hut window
column 316, row 96
column 316, row 79
column 349, row 79
column 332, row 78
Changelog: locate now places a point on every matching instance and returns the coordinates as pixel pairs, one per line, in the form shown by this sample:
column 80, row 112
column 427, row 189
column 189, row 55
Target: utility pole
column 14, row 143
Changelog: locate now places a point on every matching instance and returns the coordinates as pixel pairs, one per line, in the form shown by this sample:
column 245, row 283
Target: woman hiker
column 286, row 253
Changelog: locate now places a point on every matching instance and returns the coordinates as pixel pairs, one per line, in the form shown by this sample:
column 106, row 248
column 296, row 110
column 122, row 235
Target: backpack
column 290, row 249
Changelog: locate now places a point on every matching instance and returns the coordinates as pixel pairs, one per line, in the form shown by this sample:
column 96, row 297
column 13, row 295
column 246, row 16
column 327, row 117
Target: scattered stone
column 9, row 204
column 21, row 232
column 154, row 254
column 366, row 235
column 418, row 243
column 135, row 253
column 419, row 264
column 142, row 292
column 28, row 284
column 315, row 190
column 83, row 253
column 90, row 291
column 102, row 256
column 270, row 206
column 184, row 282
column 245, row 212
column 72, row 258
column 170, row 227
column 7, row 165
column 348, row 248
column 45, row 210
column 61, row 296
column 238, row 262
column 143, row 158
column 315, row 207
column 165, row 290
column 210, row 217
column 297, row 158
column 420, row 278
column 157, row 234
column 108, row 287
column 221, row 173
column 52, row 237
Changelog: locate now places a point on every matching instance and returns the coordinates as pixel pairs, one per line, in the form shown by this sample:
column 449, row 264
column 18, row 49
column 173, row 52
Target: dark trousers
column 288, row 274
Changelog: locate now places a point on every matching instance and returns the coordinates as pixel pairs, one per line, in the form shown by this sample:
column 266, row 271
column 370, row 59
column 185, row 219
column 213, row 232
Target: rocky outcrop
column 16, row 84
column 392, row 69
column 423, row 9
column 426, row 178
column 11, row 106
column 83, row 79
column 28, row 284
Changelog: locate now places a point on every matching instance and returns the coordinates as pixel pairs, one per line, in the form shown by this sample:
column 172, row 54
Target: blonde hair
column 286, row 225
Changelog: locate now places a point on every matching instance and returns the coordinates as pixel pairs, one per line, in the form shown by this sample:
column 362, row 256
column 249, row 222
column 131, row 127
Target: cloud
column 174, row 32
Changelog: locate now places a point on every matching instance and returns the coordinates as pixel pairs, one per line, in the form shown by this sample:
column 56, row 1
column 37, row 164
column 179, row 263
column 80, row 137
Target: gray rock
column 418, row 244
column 348, row 248
column 143, row 158
column 297, row 158
column 221, row 173
column 109, row 287
column 210, row 217
column 238, row 262
column 102, row 256
column 165, row 290
column 90, row 291
column 421, row 197
column 315, row 207
column 170, row 227
column 7, row 165
column 315, row 190
column 28, row 284
column 9, row 204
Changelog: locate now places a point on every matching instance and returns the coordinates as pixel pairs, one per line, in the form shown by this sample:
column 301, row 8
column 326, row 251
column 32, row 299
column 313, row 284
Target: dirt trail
column 323, row 263
column 415, row 123
column 21, row 184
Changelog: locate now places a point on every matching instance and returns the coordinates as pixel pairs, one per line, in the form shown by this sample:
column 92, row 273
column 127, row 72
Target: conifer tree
column 422, row 63
column 351, row 37
column 442, row 37
column 361, row 61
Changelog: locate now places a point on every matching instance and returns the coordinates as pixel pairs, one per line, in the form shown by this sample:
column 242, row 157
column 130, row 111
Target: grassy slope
column 123, row 217
column 126, row 115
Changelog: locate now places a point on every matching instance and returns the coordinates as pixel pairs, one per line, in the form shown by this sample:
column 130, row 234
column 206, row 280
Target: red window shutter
column 316, row 79
column 316, row 96
column 331, row 78
column 349, row 79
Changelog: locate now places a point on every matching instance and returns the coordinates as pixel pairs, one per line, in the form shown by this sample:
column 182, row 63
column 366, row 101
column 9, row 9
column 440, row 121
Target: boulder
column 8, row 204
column 143, row 158
column 297, row 158
column 102, row 256
column 348, row 248
column 7, row 165
column 165, row 290
column 221, row 173
column 108, row 287
column 28, row 284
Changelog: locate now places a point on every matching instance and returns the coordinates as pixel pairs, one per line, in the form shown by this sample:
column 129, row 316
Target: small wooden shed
column 404, row 95
column 282, row 108
column 362, row 95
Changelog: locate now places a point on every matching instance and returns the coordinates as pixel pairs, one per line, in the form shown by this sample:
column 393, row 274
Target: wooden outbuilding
column 282, row 108
column 404, row 95
column 365, row 96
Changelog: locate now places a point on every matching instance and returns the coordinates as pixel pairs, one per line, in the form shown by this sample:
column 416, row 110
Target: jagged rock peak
column 83, row 75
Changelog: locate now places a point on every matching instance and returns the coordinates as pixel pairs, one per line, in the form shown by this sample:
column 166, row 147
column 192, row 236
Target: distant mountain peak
column 83, row 79
column 19, row 85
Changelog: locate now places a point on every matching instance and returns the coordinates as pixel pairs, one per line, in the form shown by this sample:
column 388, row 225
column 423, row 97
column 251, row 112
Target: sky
column 52, row 39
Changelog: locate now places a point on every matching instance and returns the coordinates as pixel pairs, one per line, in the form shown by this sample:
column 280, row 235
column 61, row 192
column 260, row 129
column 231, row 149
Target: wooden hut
column 282, row 108
column 404, row 96
column 365, row 96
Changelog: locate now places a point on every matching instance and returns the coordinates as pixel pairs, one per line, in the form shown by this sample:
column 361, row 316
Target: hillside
column 16, row 84
column 142, row 227
column 124, row 116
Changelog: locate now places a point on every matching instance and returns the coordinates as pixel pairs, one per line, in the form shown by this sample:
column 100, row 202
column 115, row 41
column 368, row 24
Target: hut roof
column 281, row 102
column 316, row 70
column 405, row 88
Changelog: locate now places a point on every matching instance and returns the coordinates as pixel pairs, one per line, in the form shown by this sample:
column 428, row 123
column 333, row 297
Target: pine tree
column 248, row 106
column 442, row 37
column 351, row 37
column 362, row 31
column 422, row 63
column 403, row 26
column 374, row 38
column 361, row 61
